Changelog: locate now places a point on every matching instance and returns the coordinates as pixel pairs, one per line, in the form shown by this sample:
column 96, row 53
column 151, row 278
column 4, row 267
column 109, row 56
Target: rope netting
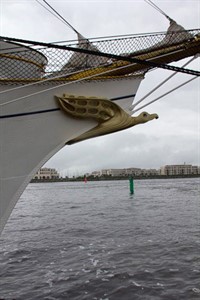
column 25, row 61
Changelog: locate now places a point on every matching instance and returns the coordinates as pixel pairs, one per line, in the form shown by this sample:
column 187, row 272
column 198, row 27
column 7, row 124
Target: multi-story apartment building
column 184, row 169
column 149, row 172
column 113, row 172
column 133, row 171
column 128, row 172
column 46, row 173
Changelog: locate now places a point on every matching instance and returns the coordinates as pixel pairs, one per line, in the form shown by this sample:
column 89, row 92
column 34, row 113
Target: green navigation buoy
column 131, row 184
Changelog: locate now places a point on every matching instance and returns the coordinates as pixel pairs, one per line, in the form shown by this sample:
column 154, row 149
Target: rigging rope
column 39, row 81
column 152, row 4
column 61, row 17
column 167, row 93
column 160, row 84
column 55, row 15
column 57, row 86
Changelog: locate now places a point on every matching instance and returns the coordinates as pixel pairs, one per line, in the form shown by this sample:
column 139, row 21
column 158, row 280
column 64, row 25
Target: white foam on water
column 159, row 284
column 135, row 283
column 86, row 271
column 195, row 290
column 81, row 247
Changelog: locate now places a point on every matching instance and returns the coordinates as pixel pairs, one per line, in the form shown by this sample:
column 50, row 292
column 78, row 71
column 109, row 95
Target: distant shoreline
column 109, row 178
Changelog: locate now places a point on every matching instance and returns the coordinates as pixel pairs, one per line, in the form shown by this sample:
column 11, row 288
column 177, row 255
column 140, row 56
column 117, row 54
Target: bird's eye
column 145, row 115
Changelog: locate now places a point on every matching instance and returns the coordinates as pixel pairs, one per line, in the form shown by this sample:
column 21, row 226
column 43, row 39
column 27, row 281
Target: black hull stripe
column 29, row 113
column 53, row 109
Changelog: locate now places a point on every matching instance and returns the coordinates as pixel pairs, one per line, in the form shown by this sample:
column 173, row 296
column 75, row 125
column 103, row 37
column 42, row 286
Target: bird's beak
column 154, row 116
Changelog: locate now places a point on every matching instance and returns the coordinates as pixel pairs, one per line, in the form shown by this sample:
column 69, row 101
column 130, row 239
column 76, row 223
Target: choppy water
column 95, row 241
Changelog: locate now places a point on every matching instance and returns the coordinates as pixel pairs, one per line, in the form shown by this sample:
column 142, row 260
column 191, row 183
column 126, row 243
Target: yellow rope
column 64, row 79
column 154, row 54
column 11, row 56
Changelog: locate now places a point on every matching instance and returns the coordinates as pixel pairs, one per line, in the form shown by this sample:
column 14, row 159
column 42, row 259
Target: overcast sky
column 172, row 139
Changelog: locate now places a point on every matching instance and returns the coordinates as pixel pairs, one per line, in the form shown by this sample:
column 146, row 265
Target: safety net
column 95, row 59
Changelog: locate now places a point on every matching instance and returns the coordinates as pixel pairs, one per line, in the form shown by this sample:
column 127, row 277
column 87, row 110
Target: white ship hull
column 33, row 128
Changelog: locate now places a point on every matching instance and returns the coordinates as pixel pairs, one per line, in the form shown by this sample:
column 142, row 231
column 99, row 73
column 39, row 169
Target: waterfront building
column 128, row 172
column 95, row 174
column 133, row 172
column 167, row 170
column 113, row 172
column 46, row 173
column 170, row 170
column 149, row 172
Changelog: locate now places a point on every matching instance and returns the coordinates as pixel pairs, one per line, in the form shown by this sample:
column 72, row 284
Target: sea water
column 95, row 241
